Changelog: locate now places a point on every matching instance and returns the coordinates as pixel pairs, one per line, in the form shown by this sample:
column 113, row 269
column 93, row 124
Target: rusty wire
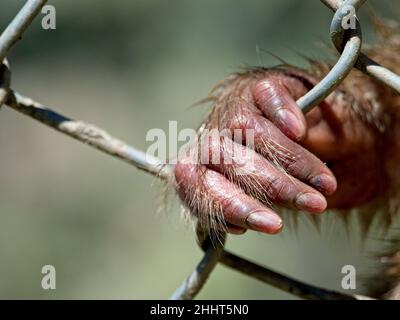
column 348, row 43
column 89, row 134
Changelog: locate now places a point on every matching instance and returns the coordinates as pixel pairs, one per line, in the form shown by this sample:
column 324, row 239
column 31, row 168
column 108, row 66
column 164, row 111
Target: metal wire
column 347, row 42
column 18, row 25
column 5, row 81
column 89, row 134
column 348, row 58
column 364, row 63
column 197, row 279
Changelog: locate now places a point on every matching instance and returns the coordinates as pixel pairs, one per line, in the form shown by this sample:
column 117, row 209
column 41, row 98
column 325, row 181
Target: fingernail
column 290, row 124
column 265, row 222
column 324, row 183
column 311, row 202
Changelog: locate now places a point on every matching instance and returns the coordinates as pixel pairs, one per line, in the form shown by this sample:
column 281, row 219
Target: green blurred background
column 130, row 66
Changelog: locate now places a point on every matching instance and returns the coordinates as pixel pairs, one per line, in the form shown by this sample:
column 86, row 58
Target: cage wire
column 348, row 41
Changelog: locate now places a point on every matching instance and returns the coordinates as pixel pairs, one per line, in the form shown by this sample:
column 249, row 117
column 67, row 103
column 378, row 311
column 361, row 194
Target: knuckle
column 295, row 164
column 262, row 87
column 275, row 188
column 301, row 167
column 238, row 121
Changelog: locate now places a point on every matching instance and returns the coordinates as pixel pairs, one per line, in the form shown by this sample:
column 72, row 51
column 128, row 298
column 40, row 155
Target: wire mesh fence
column 348, row 42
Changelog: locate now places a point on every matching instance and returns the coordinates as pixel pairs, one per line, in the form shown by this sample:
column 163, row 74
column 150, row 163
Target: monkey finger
column 271, row 143
column 203, row 190
column 278, row 105
column 261, row 179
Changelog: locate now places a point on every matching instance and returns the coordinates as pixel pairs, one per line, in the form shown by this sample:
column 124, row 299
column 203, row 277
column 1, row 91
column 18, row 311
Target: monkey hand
column 281, row 158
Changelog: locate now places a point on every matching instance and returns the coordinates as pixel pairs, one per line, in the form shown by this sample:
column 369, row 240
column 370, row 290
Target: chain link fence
column 348, row 41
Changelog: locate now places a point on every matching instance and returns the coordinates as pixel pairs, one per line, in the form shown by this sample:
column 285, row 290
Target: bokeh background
column 130, row 66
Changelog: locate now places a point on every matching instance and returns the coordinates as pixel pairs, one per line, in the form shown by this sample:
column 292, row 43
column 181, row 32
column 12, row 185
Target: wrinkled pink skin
column 328, row 134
